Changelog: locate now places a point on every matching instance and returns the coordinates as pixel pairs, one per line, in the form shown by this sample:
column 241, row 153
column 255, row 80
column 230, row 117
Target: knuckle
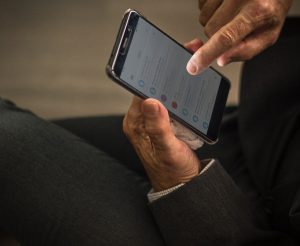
column 204, row 16
column 244, row 25
column 236, row 31
column 133, row 128
column 266, row 12
column 208, row 31
column 265, row 7
column 132, row 114
column 155, row 131
column 202, row 20
column 228, row 37
column 201, row 3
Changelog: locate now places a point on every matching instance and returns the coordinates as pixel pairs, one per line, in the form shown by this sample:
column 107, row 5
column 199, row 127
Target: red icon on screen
column 174, row 105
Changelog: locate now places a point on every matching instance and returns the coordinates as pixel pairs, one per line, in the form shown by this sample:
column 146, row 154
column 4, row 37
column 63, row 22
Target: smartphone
column 149, row 63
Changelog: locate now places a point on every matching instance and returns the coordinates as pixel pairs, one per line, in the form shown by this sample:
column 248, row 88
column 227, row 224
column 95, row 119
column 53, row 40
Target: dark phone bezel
column 116, row 63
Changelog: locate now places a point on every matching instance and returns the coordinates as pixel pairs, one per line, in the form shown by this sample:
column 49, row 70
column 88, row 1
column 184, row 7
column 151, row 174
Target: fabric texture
column 262, row 209
column 55, row 189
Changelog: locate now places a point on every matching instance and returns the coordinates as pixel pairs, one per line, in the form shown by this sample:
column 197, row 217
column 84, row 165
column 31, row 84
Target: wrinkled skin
column 237, row 30
column 167, row 160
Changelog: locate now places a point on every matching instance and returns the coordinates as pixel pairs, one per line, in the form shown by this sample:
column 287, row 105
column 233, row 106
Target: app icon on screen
column 185, row 112
column 195, row 118
column 174, row 105
column 141, row 83
column 152, row 91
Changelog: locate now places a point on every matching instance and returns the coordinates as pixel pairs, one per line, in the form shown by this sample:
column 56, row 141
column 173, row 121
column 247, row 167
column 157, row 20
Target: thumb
column 157, row 124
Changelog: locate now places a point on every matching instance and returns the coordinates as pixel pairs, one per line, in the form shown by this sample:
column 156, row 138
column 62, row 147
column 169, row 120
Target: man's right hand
column 237, row 30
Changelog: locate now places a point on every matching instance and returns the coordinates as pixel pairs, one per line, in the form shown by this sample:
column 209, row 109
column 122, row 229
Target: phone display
column 151, row 64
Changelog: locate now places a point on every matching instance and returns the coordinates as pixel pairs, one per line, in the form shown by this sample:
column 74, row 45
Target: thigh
column 106, row 134
column 57, row 190
column 115, row 143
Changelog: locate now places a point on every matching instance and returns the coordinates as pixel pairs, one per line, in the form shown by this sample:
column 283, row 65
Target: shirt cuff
column 153, row 196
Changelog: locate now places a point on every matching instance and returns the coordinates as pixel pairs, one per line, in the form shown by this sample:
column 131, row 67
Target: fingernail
column 151, row 109
column 220, row 62
column 192, row 68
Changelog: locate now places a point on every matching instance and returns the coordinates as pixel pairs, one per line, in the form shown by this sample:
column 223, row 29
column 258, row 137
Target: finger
column 249, row 47
column 157, row 124
column 220, row 17
column 222, row 41
column 201, row 3
column 208, row 9
column 134, row 110
column 193, row 45
column 133, row 115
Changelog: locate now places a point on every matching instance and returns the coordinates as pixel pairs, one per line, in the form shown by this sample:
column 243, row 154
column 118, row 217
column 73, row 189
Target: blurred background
column 53, row 53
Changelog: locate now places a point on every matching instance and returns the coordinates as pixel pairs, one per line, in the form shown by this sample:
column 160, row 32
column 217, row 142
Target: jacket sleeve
column 212, row 210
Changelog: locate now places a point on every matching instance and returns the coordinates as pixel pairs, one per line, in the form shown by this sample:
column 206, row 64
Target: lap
column 115, row 143
column 58, row 189
column 105, row 133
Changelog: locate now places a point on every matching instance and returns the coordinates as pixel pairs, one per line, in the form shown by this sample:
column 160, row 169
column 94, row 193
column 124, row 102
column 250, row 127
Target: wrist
column 163, row 181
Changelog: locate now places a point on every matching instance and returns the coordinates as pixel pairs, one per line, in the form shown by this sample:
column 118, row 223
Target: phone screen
column 155, row 66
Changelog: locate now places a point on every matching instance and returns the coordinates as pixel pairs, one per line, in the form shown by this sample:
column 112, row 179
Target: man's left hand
column 167, row 160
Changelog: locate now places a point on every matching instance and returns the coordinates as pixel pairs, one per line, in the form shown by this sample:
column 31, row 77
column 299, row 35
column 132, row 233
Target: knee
column 4, row 104
column 7, row 106
column 15, row 124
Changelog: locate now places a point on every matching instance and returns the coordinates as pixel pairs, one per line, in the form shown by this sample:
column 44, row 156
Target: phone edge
column 110, row 73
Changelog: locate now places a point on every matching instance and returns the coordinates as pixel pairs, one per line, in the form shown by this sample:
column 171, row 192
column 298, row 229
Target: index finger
column 223, row 40
column 134, row 110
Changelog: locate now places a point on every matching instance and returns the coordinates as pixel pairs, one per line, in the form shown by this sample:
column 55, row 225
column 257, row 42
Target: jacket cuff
column 209, row 209
column 153, row 196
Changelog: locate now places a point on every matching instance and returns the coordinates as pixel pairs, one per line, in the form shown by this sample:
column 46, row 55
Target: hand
column 237, row 30
column 167, row 160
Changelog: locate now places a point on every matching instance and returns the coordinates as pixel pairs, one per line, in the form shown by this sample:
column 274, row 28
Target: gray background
column 53, row 53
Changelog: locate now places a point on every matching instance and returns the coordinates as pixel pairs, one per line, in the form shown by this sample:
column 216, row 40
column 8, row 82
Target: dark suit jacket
column 258, row 204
